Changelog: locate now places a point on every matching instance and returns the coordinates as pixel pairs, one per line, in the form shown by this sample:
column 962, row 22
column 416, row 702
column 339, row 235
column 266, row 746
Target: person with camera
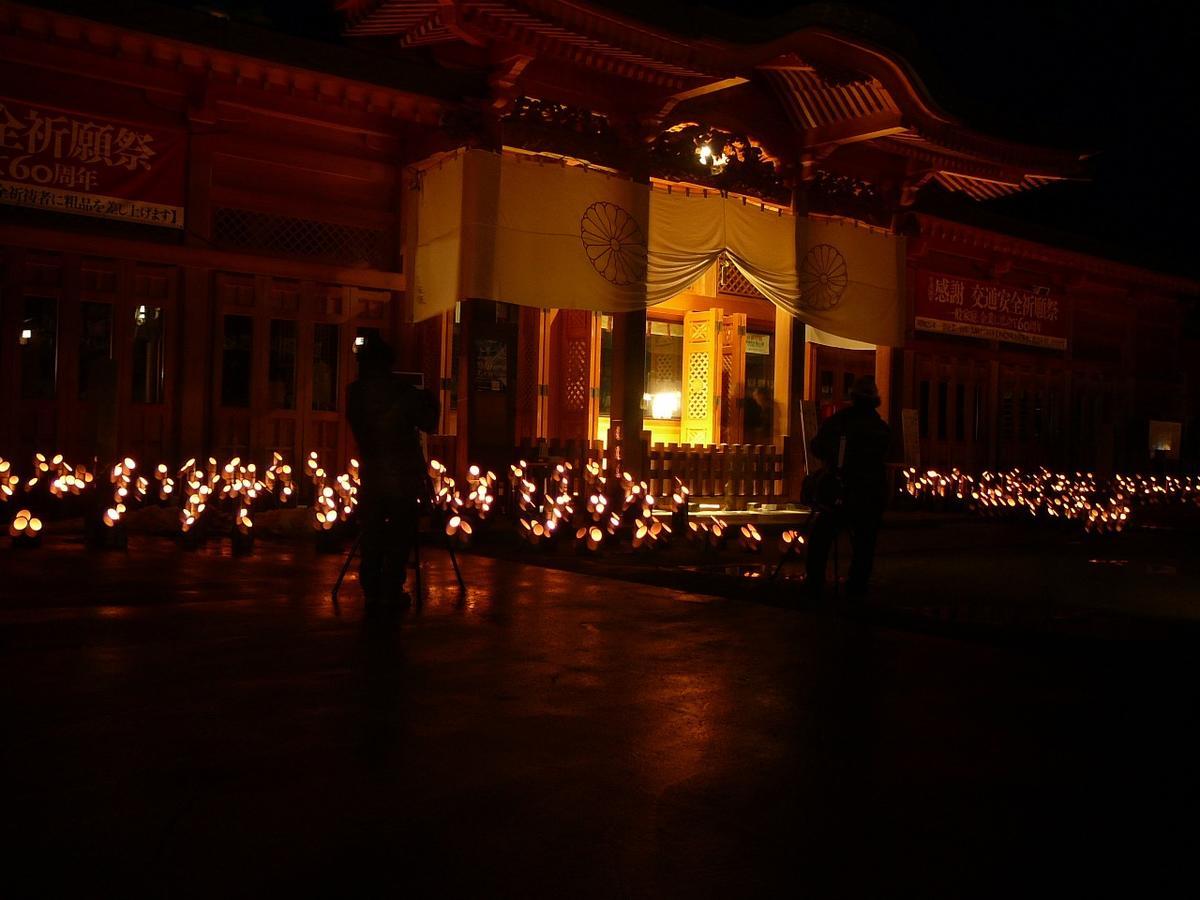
column 850, row 491
column 386, row 415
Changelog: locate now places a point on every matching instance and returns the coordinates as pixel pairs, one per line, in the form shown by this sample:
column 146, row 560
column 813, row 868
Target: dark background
column 1102, row 78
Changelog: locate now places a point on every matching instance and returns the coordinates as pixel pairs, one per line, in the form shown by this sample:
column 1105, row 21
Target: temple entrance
column 709, row 376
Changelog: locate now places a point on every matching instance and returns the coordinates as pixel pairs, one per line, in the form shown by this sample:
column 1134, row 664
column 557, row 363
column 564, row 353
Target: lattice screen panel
column 664, row 368
column 730, row 280
column 242, row 229
column 577, row 375
column 698, row 379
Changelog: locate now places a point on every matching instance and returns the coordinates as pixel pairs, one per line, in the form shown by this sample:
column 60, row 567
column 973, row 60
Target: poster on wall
column 86, row 165
column 491, row 365
column 758, row 344
column 951, row 304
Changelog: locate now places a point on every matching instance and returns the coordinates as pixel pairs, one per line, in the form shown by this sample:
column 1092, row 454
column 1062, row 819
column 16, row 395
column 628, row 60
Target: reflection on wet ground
column 187, row 724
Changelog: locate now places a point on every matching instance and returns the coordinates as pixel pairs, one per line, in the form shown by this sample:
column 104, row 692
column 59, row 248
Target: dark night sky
column 1101, row 77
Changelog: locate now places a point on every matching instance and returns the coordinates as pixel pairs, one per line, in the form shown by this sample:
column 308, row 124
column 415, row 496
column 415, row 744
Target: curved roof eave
column 817, row 45
column 833, row 40
column 830, row 37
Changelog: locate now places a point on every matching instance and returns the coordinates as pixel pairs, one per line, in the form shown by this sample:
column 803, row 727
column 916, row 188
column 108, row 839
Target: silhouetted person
column 852, row 491
column 387, row 414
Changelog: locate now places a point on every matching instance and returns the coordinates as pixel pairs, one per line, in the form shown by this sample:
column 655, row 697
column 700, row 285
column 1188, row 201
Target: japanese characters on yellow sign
column 91, row 166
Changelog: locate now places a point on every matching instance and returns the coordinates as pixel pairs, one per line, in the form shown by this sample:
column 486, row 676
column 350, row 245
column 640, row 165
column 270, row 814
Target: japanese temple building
column 575, row 225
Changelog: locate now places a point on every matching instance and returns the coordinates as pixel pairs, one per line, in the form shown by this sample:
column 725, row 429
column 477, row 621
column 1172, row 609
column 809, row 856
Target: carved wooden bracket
column 503, row 81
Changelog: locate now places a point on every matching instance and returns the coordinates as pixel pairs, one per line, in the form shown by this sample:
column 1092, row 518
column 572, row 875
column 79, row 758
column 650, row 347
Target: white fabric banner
column 851, row 281
column 524, row 230
column 437, row 267
column 564, row 238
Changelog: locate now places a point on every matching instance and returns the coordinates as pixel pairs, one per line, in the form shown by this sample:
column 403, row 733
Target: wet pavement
column 190, row 724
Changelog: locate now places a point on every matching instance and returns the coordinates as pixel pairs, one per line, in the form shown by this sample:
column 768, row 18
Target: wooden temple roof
column 832, row 87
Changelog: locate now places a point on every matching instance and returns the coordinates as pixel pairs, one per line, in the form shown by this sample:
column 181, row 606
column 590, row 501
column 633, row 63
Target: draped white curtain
column 687, row 234
column 533, row 232
column 843, row 279
column 689, row 229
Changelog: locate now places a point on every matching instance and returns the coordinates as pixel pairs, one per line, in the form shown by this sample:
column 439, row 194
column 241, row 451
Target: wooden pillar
column 10, row 328
column 732, row 379
column 67, row 374
column 200, row 172
column 122, row 344
column 532, row 372
column 781, row 416
column 446, row 371
column 908, row 379
column 594, row 379
column 883, row 380
column 404, row 330
column 545, row 371
column 466, row 320
column 993, row 411
column 629, row 383
column 810, row 371
column 193, row 395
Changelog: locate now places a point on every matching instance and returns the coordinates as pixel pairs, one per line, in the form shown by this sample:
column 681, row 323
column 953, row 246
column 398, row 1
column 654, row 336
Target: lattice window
column 697, row 385
column 664, row 369
column 577, row 375
column 730, row 280
column 258, row 232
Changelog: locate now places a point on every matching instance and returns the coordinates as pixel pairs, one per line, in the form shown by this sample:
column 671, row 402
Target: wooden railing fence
column 736, row 473
column 733, row 473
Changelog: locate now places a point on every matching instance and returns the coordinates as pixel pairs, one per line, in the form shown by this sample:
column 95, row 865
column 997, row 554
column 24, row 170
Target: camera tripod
column 437, row 517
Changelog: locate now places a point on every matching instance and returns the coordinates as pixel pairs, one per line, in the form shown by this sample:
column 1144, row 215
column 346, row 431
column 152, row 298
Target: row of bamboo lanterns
column 1099, row 505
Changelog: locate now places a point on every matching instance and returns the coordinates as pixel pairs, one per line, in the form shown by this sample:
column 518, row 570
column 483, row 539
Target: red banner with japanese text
column 951, row 304
column 89, row 165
